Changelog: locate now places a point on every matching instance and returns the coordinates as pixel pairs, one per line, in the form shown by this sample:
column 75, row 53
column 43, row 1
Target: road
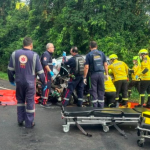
column 48, row 134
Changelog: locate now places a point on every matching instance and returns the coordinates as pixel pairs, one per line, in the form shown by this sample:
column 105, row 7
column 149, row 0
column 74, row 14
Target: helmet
column 135, row 57
column 113, row 56
column 143, row 51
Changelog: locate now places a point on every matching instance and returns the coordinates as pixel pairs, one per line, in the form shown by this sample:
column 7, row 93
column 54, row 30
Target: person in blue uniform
column 46, row 60
column 96, row 64
column 76, row 69
column 25, row 64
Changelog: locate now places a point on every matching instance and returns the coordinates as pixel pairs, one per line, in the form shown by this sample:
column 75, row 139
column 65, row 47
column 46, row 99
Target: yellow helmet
column 113, row 56
column 143, row 51
column 135, row 57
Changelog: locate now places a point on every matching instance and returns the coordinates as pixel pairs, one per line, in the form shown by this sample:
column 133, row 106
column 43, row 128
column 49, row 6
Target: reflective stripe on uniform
column 44, row 97
column 117, row 98
column 13, row 59
column 125, row 99
column 142, row 95
column 148, row 95
column 50, row 63
column 30, row 111
column 67, row 99
column 21, row 104
column 11, row 69
column 94, row 101
column 34, row 64
column 129, row 90
column 40, row 72
column 80, row 99
column 102, row 101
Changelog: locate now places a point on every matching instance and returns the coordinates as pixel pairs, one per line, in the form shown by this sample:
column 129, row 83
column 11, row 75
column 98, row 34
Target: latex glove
column 45, row 87
column 51, row 73
column 136, row 77
column 54, row 64
column 64, row 54
column 13, row 83
column 85, row 81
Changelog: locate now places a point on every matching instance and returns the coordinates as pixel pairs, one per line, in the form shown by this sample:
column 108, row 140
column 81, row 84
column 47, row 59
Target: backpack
column 79, row 70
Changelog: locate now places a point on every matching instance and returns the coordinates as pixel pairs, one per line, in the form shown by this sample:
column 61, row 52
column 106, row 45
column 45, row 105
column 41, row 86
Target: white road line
column 4, row 88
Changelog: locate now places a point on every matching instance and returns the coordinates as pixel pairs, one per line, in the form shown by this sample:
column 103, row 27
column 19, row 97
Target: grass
column 3, row 75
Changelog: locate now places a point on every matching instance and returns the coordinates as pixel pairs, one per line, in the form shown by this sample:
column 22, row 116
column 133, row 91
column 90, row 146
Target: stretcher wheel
column 105, row 128
column 140, row 143
column 66, row 128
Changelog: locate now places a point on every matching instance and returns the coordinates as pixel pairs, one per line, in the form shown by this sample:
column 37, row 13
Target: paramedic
column 96, row 64
column 25, row 65
column 76, row 64
column 46, row 60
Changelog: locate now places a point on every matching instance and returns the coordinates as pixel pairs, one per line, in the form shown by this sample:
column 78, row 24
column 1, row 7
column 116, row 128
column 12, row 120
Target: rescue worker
column 136, row 69
column 76, row 70
column 145, row 77
column 25, row 65
column 96, row 64
column 46, row 60
column 110, row 92
column 120, row 73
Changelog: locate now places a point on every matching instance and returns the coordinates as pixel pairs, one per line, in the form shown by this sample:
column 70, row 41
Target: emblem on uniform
column 23, row 60
column 45, row 59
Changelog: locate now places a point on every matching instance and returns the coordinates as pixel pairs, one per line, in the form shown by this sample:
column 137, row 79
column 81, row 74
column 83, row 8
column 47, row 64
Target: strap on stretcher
column 81, row 129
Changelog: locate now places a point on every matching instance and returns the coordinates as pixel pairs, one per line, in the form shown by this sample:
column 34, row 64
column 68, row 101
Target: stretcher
column 106, row 117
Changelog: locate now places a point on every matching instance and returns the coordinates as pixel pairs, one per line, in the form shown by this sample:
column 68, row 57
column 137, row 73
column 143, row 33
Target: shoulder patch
column 45, row 59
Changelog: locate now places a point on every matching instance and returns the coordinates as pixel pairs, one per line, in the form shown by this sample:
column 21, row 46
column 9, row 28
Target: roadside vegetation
column 3, row 75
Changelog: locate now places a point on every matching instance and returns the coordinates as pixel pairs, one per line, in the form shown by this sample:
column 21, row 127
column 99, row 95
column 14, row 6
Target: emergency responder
column 95, row 64
column 120, row 73
column 110, row 92
column 145, row 77
column 135, row 71
column 25, row 65
column 46, row 60
column 76, row 77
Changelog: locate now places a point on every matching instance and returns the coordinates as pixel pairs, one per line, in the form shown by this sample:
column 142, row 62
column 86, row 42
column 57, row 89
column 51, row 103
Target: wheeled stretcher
column 106, row 117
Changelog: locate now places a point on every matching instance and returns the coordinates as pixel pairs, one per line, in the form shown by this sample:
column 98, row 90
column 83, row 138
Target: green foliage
column 118, row 26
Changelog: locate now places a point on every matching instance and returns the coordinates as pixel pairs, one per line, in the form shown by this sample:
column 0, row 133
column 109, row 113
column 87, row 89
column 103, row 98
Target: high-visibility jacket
column 145, row 64
column 119, row 70
column 137, row 71
column 109, row 86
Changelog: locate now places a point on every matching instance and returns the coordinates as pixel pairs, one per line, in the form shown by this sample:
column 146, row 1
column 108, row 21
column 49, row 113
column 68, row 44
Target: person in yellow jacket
column 120, row 73
column 136, row 70
column 145, row 77
column 110, row 92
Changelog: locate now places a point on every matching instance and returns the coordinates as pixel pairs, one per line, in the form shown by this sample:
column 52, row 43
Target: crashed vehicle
column 60, row 82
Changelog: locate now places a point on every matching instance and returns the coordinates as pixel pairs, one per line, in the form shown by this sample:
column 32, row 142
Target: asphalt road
column 48, row 133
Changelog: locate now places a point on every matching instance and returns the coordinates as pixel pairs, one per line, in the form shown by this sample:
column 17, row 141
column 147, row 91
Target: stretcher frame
column 143, row 133
column 106, row 122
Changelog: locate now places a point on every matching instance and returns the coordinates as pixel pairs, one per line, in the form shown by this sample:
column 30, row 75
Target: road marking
column 4, row 88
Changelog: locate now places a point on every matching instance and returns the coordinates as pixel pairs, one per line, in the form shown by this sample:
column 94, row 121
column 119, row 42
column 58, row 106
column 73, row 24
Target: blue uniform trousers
column 97, row 89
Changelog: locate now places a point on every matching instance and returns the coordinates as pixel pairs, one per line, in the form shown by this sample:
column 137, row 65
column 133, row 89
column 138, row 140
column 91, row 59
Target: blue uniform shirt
column 46, row 59
column 89, row 59
column 72, row 64
column 25, row 65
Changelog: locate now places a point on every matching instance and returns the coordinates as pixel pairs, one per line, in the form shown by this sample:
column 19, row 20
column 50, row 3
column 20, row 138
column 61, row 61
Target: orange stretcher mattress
column 8, row 97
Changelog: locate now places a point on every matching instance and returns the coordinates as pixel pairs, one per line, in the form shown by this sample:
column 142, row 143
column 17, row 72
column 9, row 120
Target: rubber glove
column 54, row 64
column 64, row 54
column 45, row 87
column 51, row 73
column 85, row 81
column 136, row 77
column 13, row 83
